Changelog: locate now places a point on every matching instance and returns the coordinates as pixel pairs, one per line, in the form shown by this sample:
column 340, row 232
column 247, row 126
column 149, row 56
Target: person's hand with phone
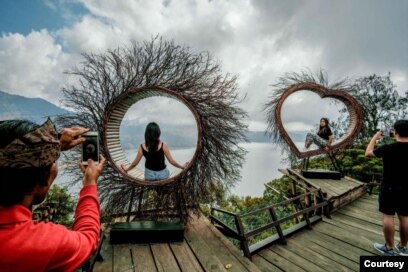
column 90, row 147
column 92, row 171
column 70, row 137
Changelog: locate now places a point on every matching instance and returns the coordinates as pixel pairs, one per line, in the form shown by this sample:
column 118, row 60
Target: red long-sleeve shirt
column 29, row 246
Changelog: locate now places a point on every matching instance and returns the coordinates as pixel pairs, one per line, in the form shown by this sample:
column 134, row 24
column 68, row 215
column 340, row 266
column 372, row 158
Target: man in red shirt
column 28, row 155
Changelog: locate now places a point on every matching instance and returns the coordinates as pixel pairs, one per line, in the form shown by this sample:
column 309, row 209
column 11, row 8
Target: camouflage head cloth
column 37, row 148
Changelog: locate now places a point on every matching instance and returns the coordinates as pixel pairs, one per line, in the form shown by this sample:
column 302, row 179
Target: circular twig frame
column 111, row 128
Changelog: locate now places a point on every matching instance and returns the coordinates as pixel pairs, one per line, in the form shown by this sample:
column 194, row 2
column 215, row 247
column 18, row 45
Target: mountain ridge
column 38, row 110
column 14, row 106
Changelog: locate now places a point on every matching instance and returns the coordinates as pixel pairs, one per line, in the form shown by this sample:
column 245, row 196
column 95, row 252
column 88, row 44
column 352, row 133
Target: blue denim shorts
column 156, row 175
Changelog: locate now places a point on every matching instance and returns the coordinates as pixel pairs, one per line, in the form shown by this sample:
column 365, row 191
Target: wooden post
column 244, row 240
column 130, row 204
column 278, row 227
column 293, row 188
column 305, row 214
column 325, row 208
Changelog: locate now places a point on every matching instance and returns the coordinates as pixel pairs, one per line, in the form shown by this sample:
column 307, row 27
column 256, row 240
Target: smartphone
column 389, row 133
column 90, row 148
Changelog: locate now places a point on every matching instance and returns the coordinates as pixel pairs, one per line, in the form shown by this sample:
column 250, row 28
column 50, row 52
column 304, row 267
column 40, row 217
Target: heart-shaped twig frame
column 354, row 109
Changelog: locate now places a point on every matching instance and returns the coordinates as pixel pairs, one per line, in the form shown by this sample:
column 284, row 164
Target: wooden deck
column 204, row 249
column 334, row 244
column 338, row 193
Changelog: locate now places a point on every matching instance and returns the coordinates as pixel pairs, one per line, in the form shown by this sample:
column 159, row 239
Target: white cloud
column 162, row 110
column 257, row 40
column 32, row 65
column 91, row 35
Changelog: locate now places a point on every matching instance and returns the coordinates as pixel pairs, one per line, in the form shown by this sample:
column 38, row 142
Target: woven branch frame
column 111, row 125
column 159, row 68
column 301, row 82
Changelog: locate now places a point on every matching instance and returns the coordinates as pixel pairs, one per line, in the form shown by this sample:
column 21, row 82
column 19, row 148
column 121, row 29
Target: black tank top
column 154, row 159
column 325, row 133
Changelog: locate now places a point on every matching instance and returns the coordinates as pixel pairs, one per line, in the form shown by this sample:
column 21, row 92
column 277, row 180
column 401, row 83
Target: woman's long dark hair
column 326, row 120
column 152, row 136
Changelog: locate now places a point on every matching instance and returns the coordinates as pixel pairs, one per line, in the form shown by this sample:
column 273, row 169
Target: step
column 321, row 174
column 146, row 232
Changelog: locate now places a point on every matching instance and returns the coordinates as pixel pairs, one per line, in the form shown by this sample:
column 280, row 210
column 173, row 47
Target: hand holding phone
column 90, row 147
column 71, row 137
column 388, row 133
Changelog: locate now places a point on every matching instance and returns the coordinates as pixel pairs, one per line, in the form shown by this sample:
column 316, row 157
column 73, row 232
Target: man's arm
column 370, row 147
column 77, row 245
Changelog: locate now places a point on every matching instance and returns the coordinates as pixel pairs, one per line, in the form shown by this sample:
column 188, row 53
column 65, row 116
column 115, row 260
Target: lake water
column 261, row 166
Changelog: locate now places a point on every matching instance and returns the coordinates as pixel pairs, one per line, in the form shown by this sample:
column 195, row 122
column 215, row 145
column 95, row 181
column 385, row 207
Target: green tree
column 217, row 198
column 381, row 102
column 63, row 204
column 277, row 189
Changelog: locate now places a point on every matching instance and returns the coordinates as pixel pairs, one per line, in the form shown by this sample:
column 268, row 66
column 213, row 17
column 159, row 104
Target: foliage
column 243, row 203
column 355, row 164
column 381, row 102
column 277, row 189
column 352, row 162
column 64, row 205
column 217, row 198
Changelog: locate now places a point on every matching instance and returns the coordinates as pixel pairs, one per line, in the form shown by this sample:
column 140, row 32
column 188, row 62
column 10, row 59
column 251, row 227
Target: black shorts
column 393, row 199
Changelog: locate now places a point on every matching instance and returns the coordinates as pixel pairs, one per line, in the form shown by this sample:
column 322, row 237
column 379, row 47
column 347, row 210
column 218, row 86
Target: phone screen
column 90, row 148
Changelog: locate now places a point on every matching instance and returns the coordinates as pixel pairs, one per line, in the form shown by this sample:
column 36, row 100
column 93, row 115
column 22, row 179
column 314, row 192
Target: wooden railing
column 310, row 206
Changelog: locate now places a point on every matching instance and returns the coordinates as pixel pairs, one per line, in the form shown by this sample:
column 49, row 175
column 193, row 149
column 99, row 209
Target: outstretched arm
column 370, row 147
column 170, row 158
column 135, row 161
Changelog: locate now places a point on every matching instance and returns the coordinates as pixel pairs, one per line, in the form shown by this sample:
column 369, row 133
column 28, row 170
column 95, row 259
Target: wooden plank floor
column 204, row 249
column 337, row 192
column 334, row 244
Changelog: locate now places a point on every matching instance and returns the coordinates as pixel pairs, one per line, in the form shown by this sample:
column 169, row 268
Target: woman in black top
column 323, row 138
column 154, row 150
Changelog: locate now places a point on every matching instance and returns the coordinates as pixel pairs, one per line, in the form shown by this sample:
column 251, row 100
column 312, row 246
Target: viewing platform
column 337, row 192
column 204, row 248
column 334, row 244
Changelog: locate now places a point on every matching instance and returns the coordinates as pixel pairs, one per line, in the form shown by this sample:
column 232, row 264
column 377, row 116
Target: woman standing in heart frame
column 323, row 138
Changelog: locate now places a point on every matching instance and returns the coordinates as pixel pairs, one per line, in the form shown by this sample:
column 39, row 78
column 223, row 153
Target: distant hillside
column 132, row 135
column 33, row 109
column 37, row 110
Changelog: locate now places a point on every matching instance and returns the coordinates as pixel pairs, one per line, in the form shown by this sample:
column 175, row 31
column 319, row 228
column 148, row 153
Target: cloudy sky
column 257, row 40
